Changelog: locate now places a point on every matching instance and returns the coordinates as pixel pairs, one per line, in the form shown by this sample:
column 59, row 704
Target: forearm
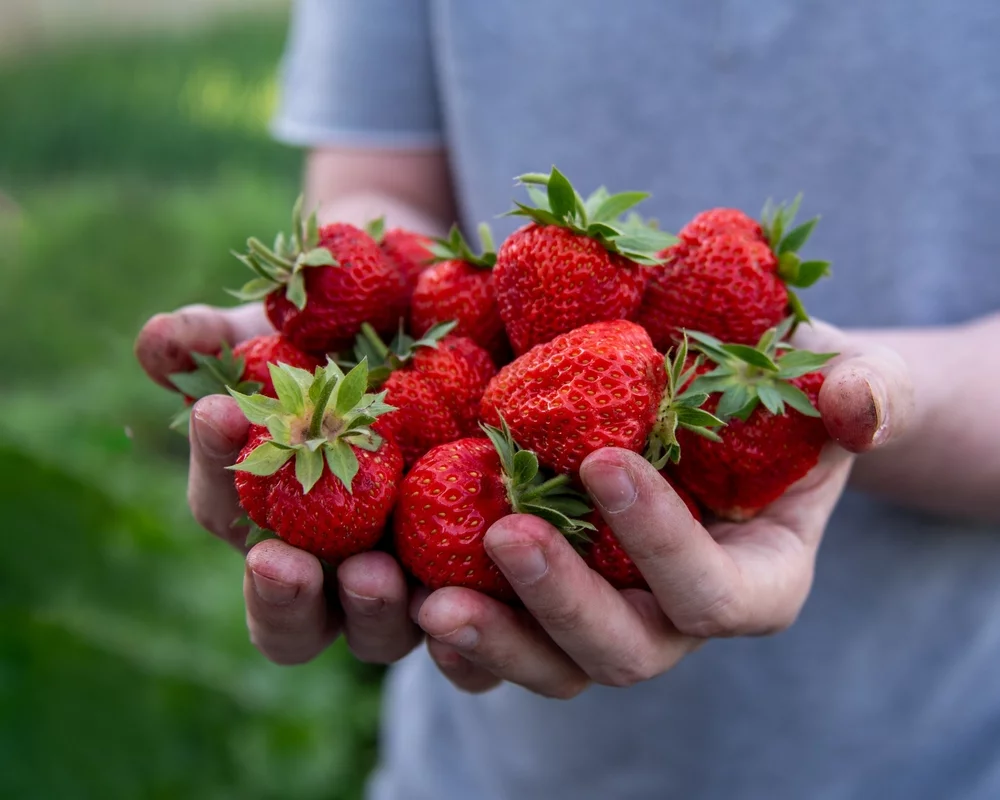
column 948, row 461
column 411, row 189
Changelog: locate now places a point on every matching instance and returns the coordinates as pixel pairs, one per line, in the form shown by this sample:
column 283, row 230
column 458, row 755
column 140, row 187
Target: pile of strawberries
column 417, row 391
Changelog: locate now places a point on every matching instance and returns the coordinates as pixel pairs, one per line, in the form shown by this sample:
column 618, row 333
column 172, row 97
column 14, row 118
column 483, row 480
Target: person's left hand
column 724, row 580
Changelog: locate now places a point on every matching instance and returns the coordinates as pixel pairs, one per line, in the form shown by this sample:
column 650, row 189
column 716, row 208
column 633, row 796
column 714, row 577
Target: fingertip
column 519, row 529
column 277, row 561
column 854, row 406
column 448, row 609
column 373, row 575
column 218, row 428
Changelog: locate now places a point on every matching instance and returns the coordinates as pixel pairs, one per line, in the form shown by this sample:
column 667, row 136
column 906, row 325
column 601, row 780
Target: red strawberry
column 408, row 251
column 313, row 471
column 460, row 287
column 436, row 383
column 243, row 368
column 320, row 285
column 766, row 446
column 574, row 264
column 452, row 496
column 608, row 558
column 729, row 277
column 601, row 385
column 717, row 221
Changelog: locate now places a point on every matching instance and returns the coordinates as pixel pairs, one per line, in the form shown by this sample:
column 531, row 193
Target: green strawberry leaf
column 266, row 459
column 280, row 430
column 525, row 467
column 751, row 356
column 771, row 398
column 797, row 399
column 376, row 229
column 256, row 408
column 308, row 468
column 810, row 272
column 256, row 535
column 312, row 233
column 181, row 421
column 352, row 388
column 801, row 362
column 319, row 257
column 616, row 205
column 797, row 237
column 195, row 384
column 343, row 463
column 256, row 289
column 562, row 197
column 288, row 389
column 733, row 399
column 296, row 290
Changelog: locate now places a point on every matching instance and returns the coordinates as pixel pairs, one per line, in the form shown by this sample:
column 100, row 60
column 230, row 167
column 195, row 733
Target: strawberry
column 319, row 285
column 718, row 221
column 601, row 385
column 407, row 251
column 313, row 471
column 436, row 382
column 575, row 262
column 243, row 368
column 774, row 434
column 456, row 491
column 608, row 558
column 459, row 286
column 729, row 277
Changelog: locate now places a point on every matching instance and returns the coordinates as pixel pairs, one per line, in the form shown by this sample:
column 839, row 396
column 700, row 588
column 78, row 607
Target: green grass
column 125, row 670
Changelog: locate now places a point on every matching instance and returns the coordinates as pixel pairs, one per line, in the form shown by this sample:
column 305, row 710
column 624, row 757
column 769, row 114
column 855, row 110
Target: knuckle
column 565, row 617
column 628, row 671
column 723, row 616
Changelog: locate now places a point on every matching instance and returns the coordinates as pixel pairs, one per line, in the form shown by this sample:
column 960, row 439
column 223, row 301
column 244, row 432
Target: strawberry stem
column 316, row 423
column 542, row 488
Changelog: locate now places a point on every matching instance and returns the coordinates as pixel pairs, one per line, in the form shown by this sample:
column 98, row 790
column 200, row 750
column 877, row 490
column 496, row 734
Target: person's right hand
column 292, row 616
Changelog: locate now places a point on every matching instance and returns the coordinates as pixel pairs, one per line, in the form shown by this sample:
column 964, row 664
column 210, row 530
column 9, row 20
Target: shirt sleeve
column 359, row 72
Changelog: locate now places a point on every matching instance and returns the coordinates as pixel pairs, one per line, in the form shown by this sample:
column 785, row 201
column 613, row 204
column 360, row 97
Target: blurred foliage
column 125, row 669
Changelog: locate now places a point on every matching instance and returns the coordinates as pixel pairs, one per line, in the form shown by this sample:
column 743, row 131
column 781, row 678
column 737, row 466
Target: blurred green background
column 129, row 166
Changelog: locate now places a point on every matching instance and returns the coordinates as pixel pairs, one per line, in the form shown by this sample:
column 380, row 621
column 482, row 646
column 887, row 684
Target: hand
column 290, row 617
column 725, row 579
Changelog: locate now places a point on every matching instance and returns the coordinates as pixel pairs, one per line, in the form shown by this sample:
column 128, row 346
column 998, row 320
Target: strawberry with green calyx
column 730, row 277
column 457, row 490
column 243, row 368
column 314, row 470
column 408, row 251
column 436, row 383
column 601, row 385
column 321, row 283
column 459, row 286
column 575, row 263
column 767, row 395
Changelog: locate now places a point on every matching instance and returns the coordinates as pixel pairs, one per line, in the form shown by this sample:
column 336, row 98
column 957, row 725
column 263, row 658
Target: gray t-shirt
column 886, row 114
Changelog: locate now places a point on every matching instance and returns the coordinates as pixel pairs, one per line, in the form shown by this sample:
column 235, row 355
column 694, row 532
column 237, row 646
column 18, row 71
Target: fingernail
column 525, row 563
column 273, row 592
column 880, row 410
column 368, row 606
column 464, row 638
column 611, row 487
column 212, row 440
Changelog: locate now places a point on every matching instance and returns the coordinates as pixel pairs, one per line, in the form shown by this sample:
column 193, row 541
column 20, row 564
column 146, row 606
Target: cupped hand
column 721, row 579
column 292, row 613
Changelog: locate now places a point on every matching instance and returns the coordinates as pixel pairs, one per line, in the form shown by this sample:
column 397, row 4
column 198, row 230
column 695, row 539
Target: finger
column 218, row 431
column 375, row 600
column 495, row 638
column 166, row 341
column 287, row 612
column 696, row 582
column 867, row 398
column 592, row 622
column 463, row 673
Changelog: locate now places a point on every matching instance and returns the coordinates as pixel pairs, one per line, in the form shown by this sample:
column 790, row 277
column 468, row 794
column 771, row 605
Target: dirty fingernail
column 464, row 638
